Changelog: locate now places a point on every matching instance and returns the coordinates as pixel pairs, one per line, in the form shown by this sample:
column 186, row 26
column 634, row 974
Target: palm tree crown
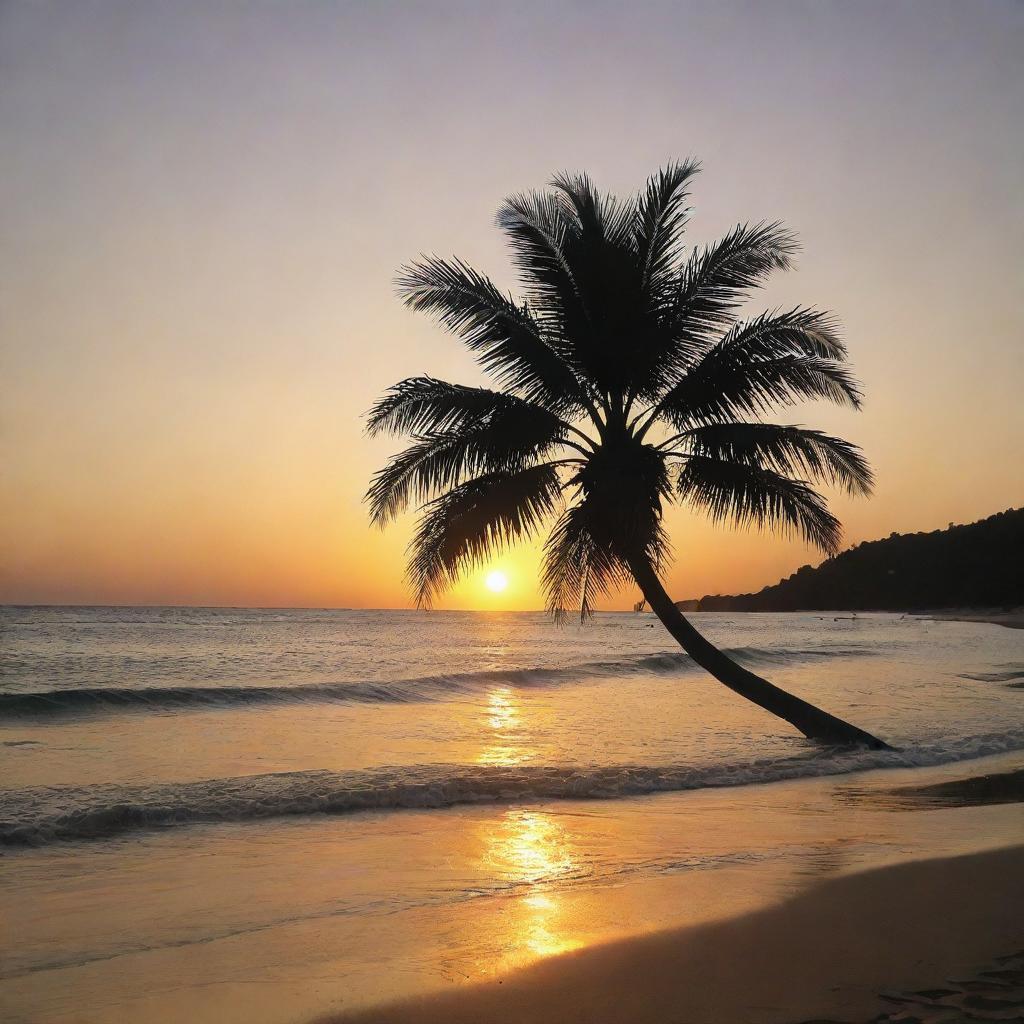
column 625, row 379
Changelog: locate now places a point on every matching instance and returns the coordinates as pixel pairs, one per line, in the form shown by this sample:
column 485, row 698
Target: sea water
column 199, row 806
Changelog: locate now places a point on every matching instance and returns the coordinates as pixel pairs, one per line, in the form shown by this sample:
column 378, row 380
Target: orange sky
column 205, row 206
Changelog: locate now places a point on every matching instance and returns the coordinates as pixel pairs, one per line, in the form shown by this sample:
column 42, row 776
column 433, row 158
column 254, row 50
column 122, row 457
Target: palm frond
column 600, row 251
column 789, row 450
column 689, row 310
column 773, row 360
column 508, row 439
column 617, row 518
column 582, row 274
column 798, row 331
column 475, row 521
column 599, row 218
column 716, row 280
column 577, row 568
column 755, row 496
column 425, row 404
column 507, row 341
column 544, row 234
column 538, row 228
column 661, row 217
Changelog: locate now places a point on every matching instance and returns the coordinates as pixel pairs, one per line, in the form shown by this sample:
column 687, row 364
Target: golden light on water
column 533, row 848
column 501, row 715
column 530, row 851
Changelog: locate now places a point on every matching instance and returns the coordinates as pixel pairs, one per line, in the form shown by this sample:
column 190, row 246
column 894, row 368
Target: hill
column 977, row 565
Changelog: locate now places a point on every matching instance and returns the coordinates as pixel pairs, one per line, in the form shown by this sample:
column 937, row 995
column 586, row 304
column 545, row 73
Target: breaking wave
column 68, row 702
column 42, row 815
column 1012, row 675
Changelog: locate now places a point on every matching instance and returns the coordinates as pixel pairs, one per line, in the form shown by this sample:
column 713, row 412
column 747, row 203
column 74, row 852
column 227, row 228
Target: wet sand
column 261, row 926
column 848, row 949
column 1011, row 618
column 976, row 791
column 994, row 992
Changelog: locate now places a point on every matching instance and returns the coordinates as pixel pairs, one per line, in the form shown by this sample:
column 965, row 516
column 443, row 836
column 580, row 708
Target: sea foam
column 38, row 816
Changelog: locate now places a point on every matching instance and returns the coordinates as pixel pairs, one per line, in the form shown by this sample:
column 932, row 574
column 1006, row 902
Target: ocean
column 355, row 805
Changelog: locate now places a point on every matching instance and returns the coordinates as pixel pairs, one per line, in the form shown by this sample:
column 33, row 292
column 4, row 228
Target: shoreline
column 1012, row 618
column 224, row 910
column 306, row 962
column 837, row 951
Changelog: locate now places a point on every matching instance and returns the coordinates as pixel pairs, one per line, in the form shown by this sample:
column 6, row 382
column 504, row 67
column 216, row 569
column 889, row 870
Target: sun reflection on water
column 501, row 717
column 502, row 711
column 529, row 851
column 532, row 848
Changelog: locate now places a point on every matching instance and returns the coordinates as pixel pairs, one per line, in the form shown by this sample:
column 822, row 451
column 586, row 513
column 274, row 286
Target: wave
column 1013, row 675
column 46, row 703
column 43, row 815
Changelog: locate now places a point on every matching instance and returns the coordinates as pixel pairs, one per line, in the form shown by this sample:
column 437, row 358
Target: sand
column 995, row 992
column 854, row 948
column 1013, row 618
column 994, row 788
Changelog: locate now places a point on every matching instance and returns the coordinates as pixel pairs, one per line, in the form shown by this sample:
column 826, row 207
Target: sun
column 496, row 581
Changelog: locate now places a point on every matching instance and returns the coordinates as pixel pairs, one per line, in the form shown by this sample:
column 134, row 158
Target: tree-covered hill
column 978, row 565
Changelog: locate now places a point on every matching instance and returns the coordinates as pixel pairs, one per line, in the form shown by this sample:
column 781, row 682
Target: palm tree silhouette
column 626, row 380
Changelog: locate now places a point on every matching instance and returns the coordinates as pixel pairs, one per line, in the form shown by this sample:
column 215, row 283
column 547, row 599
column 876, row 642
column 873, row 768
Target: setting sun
column 477, row 535
column 496, row 581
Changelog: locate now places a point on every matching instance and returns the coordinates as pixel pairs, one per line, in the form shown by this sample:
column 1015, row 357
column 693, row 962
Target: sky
column 204, row 206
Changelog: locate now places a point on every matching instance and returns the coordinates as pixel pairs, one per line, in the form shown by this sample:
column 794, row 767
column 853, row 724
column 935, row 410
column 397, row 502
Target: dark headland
column 976, row 566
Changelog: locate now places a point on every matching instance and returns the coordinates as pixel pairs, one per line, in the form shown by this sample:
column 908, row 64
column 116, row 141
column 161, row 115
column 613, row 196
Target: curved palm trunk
column 811, row 721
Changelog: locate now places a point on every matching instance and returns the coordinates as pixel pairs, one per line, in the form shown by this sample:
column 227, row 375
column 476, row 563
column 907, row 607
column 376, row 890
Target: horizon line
column 294, row 607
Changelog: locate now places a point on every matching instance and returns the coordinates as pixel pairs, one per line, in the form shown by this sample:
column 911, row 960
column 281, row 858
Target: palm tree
column 625, row 379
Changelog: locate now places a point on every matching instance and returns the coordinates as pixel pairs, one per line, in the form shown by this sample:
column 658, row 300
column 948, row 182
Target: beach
column 1012, row 618
column 813, row 899
column 287, row 816
column 511, row 512
column 922, row 942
